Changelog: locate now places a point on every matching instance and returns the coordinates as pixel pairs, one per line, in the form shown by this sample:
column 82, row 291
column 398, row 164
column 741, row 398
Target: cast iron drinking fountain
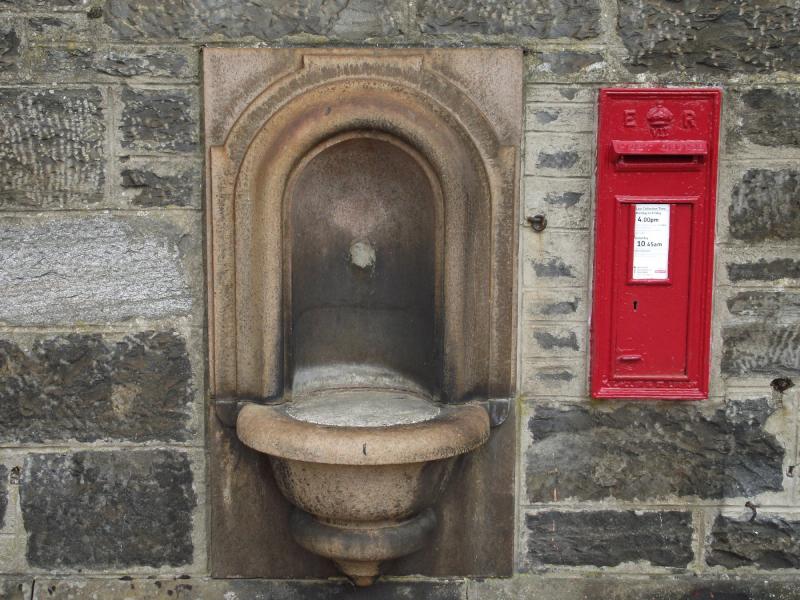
column 362, row 247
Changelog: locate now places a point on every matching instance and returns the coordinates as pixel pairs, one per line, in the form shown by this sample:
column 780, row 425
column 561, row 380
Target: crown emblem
column 660, row 120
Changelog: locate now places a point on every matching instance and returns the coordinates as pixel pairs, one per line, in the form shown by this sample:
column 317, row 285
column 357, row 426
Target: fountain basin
column 363, row 468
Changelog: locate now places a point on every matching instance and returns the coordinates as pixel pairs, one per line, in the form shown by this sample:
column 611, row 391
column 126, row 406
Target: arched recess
column 249, row 174
column 373, row 325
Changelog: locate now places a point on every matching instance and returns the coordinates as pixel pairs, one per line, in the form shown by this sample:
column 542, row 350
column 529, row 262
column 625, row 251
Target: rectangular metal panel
column 654, row 244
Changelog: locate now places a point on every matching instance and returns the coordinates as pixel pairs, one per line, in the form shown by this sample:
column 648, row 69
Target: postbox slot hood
column 660, row 147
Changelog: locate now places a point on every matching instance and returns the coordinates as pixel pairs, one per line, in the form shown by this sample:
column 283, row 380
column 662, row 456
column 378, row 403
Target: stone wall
column 102, row 344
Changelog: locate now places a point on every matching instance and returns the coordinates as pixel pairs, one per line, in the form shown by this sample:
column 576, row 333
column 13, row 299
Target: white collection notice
column 651, row 241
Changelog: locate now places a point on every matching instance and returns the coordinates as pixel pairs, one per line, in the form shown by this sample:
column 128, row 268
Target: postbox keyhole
column 635, row 305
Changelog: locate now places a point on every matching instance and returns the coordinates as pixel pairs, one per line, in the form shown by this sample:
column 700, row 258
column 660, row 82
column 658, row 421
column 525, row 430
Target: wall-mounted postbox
column 654, row 248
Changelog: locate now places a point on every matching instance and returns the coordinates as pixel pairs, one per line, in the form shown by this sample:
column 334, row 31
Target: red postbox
column 654, row 242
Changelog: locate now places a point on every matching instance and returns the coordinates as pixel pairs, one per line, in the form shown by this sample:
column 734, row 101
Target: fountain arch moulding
column 361, row 240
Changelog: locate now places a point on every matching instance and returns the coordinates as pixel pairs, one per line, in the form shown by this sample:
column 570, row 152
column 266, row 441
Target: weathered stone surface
column 775, row 306
column 765, row 206
column 263, row 19
column 159, row 120
column 86, row 387
column 243, row 589
column 555, row 259
column 565, row 62
column 107, row 510
column 44, row 30
column 3, row 495
column 607, row 538
column 52, row 147
column 559, row 155
column 233, row 589
column 770, row 116
column 529, row 18
column 87, row 63
column 541, row 587
column 43, row 4
column 553, row 378
column 595, row 587
column 554, row 305
column 92, row 269
column 545, row 340
column 567, row 199
column 654, row 450
column 761, row 348
column 569, row 94
column 566, row 307
column 565, row 202
column 553, row 268
column 148, row 183
column 764, row 270
column 559, row 118
column 9, row 46
column 710, row 35
column 765, row 543
column 15, row 588
column 562, row 159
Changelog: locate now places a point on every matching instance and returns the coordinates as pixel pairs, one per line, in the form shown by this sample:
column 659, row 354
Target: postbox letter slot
column 658, row 154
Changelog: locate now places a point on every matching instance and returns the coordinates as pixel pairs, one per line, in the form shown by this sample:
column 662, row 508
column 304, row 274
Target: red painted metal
column 656, row 192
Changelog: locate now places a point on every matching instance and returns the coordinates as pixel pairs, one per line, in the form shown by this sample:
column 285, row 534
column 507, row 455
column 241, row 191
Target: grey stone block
column 761, row 348
column 550, row 340
column 243, row 589
column 607, row 538
column 15, row 587
column 652, row 451
column 772, row 306
column 764, row 206
column 554, row 305
column 555, row 259
column 262, row 19
column 553, row 268
column 49, row 29
column 52, row 147
column 9, row 46
column 88, row 63
column 159, row 120
column 767, row 542
column 559, row 154
column 603, row 586
column 550, row 94
column 88, row 387
column 554, row 378
column 148, row 183
column 93, row 269
column 574, row 64
column 769, row 116
column 565, row 202
column 559, row 118
column 108, row 509
column 3, row 495
column 718, row 36
column 764, row 269
column 44, row 4
column 529, row 18
column 557, row 160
